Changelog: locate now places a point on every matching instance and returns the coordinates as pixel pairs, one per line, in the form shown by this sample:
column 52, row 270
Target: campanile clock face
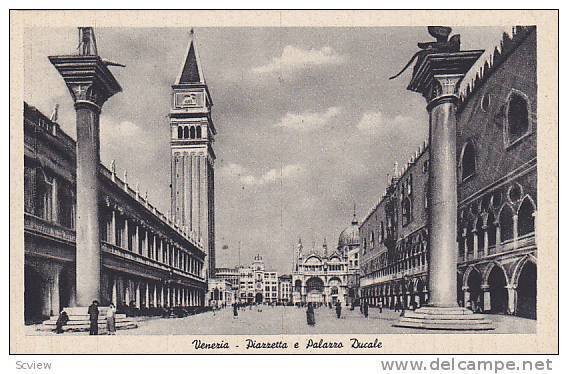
column 188, row 99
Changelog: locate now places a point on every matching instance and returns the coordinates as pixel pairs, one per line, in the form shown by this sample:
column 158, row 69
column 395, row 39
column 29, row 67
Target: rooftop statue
column 441, row 45
column 88, row 45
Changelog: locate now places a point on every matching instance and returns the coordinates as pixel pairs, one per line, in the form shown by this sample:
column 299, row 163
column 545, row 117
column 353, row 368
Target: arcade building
column 497, row 196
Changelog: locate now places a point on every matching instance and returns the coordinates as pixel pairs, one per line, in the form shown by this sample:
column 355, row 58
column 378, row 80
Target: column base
column 444, row 318
column 79, row 321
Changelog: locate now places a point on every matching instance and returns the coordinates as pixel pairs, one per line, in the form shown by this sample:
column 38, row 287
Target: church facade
column 324, row 277
column 497, row 196
column 148, row 259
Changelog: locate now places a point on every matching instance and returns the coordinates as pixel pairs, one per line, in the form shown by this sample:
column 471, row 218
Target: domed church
column 321, row 277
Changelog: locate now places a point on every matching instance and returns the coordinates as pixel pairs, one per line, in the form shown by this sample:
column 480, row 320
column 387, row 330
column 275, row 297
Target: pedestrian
column 397, row 306
column 380, row 306
column 61, row 321
column 111, row 319
column 235, row 310
column 338, row 309
column 310, row 315
column 94, row 318
column 366, row 309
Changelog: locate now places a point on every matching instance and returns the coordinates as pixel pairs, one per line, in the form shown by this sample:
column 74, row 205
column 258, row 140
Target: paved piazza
column 292, row 320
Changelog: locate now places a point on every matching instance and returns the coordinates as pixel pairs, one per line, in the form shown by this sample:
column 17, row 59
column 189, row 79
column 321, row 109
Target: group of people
column 93, row 312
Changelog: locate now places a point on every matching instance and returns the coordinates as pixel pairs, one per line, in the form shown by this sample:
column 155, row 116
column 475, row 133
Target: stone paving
column 292, row 320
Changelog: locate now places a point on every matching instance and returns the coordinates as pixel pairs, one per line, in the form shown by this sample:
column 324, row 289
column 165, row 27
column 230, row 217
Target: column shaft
column 88, row 259
column 443, row 211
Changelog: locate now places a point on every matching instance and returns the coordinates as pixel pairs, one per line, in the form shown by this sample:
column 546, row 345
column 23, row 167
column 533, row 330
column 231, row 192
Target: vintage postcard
column 319, row 182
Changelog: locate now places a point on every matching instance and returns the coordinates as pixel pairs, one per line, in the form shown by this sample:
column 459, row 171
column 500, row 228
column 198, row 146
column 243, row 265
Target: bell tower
column 192, row 158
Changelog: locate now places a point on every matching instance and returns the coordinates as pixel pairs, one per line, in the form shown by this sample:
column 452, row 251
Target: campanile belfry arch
column 192, row 157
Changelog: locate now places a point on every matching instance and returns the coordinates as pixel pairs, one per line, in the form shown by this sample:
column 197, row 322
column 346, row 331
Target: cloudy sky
column 308, row 122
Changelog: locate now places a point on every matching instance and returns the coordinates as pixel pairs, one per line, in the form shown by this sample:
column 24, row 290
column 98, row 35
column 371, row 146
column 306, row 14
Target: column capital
column 437, row 75
column 88, row 79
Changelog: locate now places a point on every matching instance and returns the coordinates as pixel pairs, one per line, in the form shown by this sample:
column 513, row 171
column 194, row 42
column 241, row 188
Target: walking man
column 338, row 309
column 94, row 318
column 366, row 309
column 235, row 311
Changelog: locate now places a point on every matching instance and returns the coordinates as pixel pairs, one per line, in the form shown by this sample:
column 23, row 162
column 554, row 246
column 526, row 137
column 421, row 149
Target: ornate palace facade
column 497, row 196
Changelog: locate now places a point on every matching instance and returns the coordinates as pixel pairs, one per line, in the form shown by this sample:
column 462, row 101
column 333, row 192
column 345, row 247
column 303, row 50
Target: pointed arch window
column 186, row 132
column 526, row 217
column 467, row 162
column 517, row 117
column 192, row 132
column 180, row 132
column 198, row 132
column 506, row 223
column 406, row 211
column 480, row 234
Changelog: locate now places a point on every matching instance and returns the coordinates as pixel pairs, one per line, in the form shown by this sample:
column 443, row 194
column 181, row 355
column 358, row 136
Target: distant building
column 256, row 284
column 285, row 289
column 231, row 275
column 221, row 293
column 497, row 196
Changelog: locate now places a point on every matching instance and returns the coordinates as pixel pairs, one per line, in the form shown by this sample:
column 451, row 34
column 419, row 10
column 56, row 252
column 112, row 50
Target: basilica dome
column 349, row 236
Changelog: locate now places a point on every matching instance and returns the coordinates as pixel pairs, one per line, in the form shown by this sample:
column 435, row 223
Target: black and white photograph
column 250, row 187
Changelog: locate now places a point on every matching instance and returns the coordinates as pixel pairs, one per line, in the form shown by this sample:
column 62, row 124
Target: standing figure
column 380, row 306
column 61, row 321
column 338, row 309
column 111, row 319
column 235, row 310
column 94, row 318
column 310, row 315
column 366, row 309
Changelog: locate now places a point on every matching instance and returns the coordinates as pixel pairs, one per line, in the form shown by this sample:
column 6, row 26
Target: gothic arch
column 487, row 272
column 526, row 218
column 505, row 219
column 519, row 267
column 467, row 163
column 335, row 280
column 468, row 272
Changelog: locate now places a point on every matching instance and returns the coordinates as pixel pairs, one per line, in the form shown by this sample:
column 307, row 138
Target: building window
column 180, row 132
column 186, row 132
column 506, row 223
column 517, row 117
column 467, row 162
column 198, row 132
column 425, row 166
column 485, row 102
column 406, row 211
column 192, row 132
column 526, row 217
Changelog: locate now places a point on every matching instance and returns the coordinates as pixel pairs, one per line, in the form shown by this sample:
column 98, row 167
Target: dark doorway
column 497, row 290
column 258, row 298
column 526, row 291
column 475, row 294
column 33, row 296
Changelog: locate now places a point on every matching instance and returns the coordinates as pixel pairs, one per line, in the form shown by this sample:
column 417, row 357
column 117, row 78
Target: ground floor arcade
column 49, row 286
column 503, row 284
